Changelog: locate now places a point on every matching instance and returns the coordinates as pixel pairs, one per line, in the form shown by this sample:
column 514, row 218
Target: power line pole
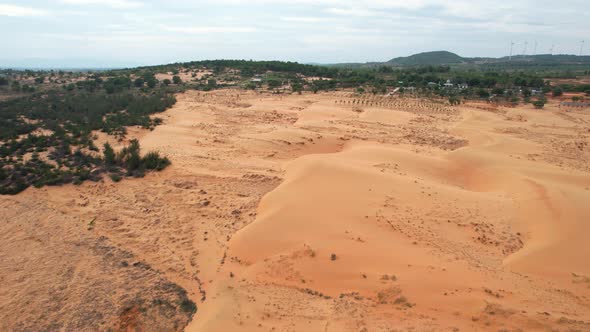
column 526, row 43
column 535, row 49
column 511, row 46
column 581, row 47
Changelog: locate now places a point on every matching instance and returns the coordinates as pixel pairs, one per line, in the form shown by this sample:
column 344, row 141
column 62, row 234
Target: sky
column 120, row 33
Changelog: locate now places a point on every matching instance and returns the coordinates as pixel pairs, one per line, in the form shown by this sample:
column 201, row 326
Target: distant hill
column 546, row 62
column 428, row 58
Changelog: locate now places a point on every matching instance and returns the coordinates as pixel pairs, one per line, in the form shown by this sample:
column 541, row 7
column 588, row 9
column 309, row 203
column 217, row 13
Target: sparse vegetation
column 539, row 104
column 46, row 138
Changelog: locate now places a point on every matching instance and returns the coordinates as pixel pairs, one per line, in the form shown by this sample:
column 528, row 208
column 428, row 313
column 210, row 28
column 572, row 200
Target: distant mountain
column 516, row 62
column 428, row 58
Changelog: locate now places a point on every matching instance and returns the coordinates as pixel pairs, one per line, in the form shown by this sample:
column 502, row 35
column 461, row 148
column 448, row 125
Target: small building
column 448, row 84
column 463, row 86
column 432, row 84
column 256, row 80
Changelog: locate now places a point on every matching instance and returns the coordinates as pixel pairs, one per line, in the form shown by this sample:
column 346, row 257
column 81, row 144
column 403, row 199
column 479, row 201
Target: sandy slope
column 322, row 213
column 381, row 237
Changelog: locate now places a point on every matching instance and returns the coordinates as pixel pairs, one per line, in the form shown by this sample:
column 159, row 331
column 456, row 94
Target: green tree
column 152, row 83
column 483, row 93
column 297, row 87
column 15, row 86
column 139, row 82
column 130, row 157
column 557, row 91
column 498, row 91
column 526, row 92
column 454, row 100
column 274, row 83
column 539, row 104
column 153, row 161
column 167, row 82
column 109, row 155
column 176, row 79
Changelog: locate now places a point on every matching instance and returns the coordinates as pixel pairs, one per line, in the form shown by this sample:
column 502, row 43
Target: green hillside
column 428, row 58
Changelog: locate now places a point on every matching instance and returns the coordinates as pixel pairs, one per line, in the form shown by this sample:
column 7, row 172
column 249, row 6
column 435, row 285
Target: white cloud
column 302, row 19
column 19, row 11
column 207, row 29
column 353, row 12
column 119, row 4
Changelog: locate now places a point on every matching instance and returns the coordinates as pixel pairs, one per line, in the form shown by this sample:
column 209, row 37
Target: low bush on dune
column 66, row 167
column 130, row 162
column 153, row 161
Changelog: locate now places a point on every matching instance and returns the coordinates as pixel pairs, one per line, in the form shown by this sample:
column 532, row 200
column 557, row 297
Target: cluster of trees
column 249, row 68
column 129, row 162
column 64, row 166
column 78, row 113
column 66, row 120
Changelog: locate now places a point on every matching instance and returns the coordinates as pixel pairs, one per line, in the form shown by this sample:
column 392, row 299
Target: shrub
column 526, row 92
column 115, row 177
column 153, row 161
column 539, row 104
column 109, row 155
column 454, row 100
column 188, row 306
column 483, row 93
column 129, row 156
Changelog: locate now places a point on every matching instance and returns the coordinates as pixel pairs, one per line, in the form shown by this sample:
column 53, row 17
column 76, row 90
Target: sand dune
column 424, row 240
column 303, row 213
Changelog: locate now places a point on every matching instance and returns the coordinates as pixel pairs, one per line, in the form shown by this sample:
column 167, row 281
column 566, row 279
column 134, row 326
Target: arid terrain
column 316, row 212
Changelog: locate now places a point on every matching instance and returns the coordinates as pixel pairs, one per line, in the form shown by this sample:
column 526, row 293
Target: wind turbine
column 581, row 47
column 535, row 49
column 526, row 43
column 511, row 46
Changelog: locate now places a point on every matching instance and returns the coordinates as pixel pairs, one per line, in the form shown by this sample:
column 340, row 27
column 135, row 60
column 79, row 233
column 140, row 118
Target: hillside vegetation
column 428, row 59
column 48, row 119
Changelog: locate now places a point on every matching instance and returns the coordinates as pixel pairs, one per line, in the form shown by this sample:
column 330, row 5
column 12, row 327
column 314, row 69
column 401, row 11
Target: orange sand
column 306, row 213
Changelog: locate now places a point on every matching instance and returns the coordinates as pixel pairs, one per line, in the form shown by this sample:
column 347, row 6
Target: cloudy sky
column 105, row 33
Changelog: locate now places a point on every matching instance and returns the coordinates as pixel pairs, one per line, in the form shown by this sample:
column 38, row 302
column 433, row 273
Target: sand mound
column 316, row 212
